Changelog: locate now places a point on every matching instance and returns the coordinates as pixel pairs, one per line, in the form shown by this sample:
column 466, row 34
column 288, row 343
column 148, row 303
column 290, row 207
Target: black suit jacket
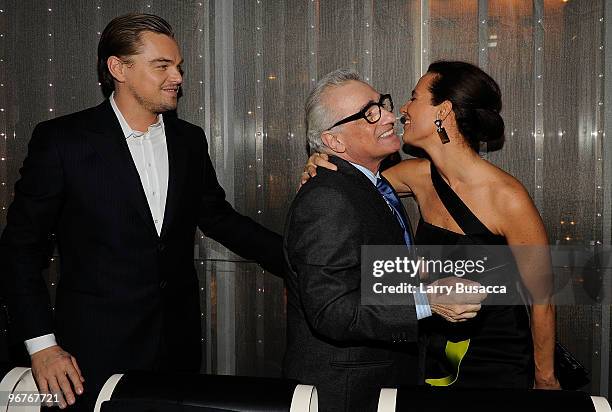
column 128, row 297
column 347, row 350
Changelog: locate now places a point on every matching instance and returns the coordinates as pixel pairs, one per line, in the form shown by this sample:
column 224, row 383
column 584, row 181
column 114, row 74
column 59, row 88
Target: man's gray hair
column 319, row 118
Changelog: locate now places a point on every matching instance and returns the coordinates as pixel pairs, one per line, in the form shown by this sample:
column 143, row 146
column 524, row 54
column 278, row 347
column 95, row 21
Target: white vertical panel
column 5, row 188
column 50, row 36
column 367, row 24
column 602, row 327
column 424, row 49
column 224, row 98
column 313, row 41
column 538, row 130
column 483, row 51
column 260, row 137
column 606, row 213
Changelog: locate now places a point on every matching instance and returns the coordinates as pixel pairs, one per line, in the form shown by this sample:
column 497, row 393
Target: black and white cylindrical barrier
column 489, row 400
column 140, row 391
column 601, row 404
column 18, row 392
column 386, row 400
column 305, row 399
column 107, row 390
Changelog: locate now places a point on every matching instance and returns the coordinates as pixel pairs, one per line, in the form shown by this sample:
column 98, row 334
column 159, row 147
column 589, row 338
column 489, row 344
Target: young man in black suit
column 123, row 187
column 349, row 350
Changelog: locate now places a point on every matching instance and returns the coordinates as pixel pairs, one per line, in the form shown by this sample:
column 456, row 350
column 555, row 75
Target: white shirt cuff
column 423, row 310
column 42, row 342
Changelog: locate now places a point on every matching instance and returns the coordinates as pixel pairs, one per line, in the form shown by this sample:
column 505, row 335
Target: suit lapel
column 362, row 183
column 375, row 202
column 178, row 154
column 108, row 140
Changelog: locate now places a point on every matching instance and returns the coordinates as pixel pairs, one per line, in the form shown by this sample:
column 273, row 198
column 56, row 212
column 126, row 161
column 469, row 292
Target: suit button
column 163, row 284
column 161, row 247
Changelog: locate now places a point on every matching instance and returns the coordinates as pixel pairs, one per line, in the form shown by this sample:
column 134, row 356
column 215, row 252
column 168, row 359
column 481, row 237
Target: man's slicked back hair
column 121, row 38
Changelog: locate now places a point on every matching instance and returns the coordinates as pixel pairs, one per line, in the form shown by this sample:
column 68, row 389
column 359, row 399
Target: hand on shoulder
column 310, row 169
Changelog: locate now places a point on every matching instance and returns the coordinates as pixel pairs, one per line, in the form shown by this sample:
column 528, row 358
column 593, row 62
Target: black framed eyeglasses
column 371, row 113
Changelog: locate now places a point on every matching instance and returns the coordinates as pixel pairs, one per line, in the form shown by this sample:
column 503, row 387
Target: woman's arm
column 529, row 244
column 403, row 175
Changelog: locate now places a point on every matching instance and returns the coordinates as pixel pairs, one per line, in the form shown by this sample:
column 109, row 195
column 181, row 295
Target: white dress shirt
column 150, row 155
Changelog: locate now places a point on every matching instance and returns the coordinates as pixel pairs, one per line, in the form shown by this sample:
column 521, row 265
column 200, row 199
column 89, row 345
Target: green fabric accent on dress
column 455, row 352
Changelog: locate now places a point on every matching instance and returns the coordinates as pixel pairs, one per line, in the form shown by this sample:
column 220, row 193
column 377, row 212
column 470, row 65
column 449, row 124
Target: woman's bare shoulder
column 410, row 169
column 507, row 190
column 408, row 174
column 512, row 203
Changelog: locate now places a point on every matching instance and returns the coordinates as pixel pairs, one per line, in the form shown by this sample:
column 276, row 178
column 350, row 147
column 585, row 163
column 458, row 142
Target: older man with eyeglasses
column 349, row 351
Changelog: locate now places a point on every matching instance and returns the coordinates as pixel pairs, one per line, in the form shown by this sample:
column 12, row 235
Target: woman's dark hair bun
column 476, row 100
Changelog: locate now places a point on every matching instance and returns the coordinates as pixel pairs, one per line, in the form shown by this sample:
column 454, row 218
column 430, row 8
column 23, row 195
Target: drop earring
column 441, row 131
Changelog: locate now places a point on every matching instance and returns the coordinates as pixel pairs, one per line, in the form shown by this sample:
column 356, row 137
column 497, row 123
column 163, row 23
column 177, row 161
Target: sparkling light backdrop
column 249, row 65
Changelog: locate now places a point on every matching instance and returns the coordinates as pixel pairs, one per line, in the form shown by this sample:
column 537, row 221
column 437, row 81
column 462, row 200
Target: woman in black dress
column 464, row 199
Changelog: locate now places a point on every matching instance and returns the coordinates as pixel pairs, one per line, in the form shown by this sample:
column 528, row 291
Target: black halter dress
column 500, row 350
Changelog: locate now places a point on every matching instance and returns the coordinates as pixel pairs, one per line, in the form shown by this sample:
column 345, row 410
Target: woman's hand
column 548, row 382
column 314, row 161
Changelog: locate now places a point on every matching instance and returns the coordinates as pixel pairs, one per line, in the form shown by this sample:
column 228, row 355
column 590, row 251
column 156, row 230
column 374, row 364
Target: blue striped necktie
column 396, row 206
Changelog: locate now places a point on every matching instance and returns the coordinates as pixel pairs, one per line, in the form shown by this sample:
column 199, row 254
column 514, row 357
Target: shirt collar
column 125, row 127
column 373, row 177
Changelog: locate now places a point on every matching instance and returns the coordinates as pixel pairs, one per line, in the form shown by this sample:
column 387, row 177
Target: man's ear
column 331, row 140
column 116, row 67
